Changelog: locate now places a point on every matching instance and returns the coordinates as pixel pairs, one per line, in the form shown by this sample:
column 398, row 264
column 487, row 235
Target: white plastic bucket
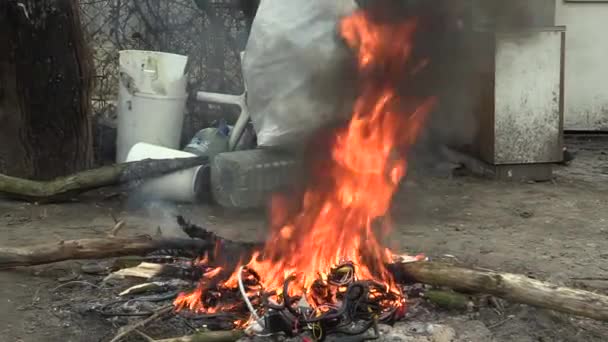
column 151, row 99
column 180, row 186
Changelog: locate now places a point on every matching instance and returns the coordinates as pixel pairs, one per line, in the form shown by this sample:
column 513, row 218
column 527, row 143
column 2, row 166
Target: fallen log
column 97, row 248
column 512, row 287
column 64, row 188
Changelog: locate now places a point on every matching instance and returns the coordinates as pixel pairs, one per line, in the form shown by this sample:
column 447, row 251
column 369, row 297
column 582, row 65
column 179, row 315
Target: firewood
column 65, row 188
column 512, row 287
column 97, row 248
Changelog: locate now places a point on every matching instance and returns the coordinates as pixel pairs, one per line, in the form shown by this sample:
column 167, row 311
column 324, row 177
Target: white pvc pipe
column 204, row 96
column 179, row 186
column 239, row 100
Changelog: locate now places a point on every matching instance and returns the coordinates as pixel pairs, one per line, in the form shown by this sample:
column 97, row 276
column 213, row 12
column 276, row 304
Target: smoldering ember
column 271, row 170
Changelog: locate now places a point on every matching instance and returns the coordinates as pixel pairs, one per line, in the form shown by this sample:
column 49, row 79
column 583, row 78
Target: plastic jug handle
column 151, row 68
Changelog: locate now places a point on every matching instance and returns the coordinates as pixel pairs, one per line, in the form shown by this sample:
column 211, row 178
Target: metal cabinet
column 521, row 112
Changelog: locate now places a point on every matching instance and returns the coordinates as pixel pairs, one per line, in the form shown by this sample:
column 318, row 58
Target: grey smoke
column 457, row 42
column 162, row 215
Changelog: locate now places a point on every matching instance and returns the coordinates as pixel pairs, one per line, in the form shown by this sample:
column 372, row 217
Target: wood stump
column 45, row 88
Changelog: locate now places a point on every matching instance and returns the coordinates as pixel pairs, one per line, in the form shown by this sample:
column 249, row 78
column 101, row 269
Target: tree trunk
column 45, row 85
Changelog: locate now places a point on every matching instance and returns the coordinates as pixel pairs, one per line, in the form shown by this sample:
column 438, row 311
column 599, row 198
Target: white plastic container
column 151, row 100
column 180, row 186
column 247, row 179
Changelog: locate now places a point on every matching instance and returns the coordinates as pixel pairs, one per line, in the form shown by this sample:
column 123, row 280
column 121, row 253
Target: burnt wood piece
column 197, row 232
column 227, row 252
column 65, row 188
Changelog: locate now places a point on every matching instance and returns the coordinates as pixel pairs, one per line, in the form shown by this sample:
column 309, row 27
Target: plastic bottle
column 247, row 179
column 209, row 141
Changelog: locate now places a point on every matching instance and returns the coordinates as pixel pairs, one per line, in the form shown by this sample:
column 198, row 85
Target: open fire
column 328, row 254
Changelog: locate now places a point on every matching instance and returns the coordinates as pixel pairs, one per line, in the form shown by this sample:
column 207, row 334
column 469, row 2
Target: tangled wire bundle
column 341, row 304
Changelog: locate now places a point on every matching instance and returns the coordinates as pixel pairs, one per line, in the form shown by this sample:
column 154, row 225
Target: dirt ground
column 554, row 231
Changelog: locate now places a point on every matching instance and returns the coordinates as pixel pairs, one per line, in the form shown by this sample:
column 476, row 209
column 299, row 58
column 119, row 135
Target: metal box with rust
column 521, row 111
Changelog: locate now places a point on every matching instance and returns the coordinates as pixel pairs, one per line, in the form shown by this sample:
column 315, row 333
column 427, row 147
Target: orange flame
column 341, row 205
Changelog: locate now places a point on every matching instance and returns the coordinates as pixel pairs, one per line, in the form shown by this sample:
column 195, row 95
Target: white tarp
column 292, row 68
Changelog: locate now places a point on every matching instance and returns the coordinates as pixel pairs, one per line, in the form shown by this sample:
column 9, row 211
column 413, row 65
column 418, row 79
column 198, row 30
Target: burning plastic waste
column 324, row 268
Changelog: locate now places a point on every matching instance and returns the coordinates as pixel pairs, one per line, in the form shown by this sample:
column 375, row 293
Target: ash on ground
column 91, row 303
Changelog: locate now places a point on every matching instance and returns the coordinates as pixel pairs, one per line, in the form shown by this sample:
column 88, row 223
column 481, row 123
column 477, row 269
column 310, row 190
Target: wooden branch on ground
column 513, row 287
column 63, row 188
column 208, row 336
column 97, row 248
column 126, row 330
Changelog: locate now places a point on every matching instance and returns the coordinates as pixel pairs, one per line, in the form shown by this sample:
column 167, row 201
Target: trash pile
column 281, row 108
column 341, row 304
column 152, row 287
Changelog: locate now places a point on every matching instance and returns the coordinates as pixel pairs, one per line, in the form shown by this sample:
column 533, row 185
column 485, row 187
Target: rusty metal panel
column 528, row 106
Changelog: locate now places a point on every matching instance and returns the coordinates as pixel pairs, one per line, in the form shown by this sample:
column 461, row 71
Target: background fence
column 211, row 37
